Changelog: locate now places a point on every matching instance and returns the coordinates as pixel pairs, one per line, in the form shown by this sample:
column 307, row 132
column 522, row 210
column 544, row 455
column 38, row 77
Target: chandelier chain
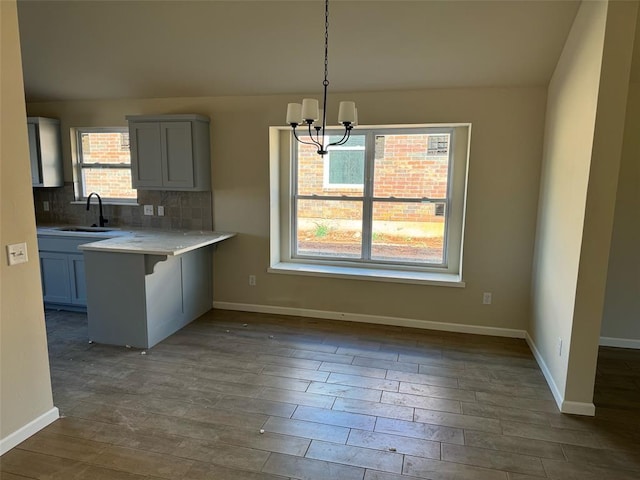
column 326, row 43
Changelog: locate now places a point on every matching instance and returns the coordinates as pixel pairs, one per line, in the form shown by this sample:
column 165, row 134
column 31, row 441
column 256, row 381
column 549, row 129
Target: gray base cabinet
column 63, row 272
column 45, row 152
column 170, row 152
column 140, row 299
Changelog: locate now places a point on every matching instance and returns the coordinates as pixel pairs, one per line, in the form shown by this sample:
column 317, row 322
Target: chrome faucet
column 101, row 219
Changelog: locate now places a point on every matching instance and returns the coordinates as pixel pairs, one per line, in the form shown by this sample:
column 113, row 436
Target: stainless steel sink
column 85, row 229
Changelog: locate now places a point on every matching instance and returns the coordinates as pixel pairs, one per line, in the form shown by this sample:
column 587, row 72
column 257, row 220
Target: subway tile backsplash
column 182, row 210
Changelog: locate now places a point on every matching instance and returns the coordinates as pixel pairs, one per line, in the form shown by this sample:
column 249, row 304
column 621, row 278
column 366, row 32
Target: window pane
column 408, row 232
column 329, row 228
column 411, row 166
column 346, row 167
column 340, row 172
column 105, row 147
column 108, row 182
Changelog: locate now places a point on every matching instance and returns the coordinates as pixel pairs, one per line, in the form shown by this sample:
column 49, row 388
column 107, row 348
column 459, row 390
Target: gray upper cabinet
column 170, row 152
column 45, row 152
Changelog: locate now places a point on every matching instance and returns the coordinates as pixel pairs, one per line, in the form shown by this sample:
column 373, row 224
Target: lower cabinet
column 54, row 268
column 62, row 270
column 63, row 279
column 140, row 299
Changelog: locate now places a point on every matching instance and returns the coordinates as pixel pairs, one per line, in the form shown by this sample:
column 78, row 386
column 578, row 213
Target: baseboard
column 565, row 406
column 578, row 408
column 545, row 371
column 29, row 429
column 376, row 319
column 620, row 342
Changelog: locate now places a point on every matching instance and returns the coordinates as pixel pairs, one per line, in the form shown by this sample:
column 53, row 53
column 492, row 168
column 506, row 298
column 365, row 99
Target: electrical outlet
column 160, row 211
column 559, row 346
column 45, row 206
column 486, row 298
column 148, row 209
column 17, row 253
column 252, row 280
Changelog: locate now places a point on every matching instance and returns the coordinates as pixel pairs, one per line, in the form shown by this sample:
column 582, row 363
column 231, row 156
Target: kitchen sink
column 85, row 229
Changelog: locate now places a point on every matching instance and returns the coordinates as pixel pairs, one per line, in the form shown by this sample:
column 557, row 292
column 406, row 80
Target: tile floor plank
column 355, row 456
column 310, row 469
column 394, row 443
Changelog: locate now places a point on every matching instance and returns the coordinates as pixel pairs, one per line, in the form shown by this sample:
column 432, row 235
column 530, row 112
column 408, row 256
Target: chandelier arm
column 343, row 140
column 312, row 142
column 316, row 140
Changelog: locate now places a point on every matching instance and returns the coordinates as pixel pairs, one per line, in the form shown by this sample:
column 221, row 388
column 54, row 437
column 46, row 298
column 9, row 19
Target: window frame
column 79, row 165
column 283, row 222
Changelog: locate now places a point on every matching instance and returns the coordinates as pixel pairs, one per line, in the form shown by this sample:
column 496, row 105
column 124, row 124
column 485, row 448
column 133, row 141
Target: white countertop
column 157, row 242
column 131, row 240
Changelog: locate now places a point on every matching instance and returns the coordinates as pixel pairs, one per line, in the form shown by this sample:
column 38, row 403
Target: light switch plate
column 17, row 253
column 148, row 209
column 160, row 211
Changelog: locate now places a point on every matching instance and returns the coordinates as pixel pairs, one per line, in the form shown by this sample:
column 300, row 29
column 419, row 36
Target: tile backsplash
column 182, row 210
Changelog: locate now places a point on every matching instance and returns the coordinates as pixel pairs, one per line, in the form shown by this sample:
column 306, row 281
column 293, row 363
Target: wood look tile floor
column 334, row 400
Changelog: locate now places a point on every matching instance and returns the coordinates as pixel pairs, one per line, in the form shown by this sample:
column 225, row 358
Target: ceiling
column 146, row 49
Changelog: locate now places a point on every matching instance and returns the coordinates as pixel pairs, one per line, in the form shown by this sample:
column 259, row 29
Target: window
column 104, row 164
column 438, row 145
column 344, row 164
column 389, row 200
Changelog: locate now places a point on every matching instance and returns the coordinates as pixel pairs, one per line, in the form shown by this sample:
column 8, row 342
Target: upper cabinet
column 45, row 152
column 170, row 152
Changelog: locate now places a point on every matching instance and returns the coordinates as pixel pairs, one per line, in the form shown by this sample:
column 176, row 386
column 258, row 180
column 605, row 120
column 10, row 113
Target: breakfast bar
column 143, row 287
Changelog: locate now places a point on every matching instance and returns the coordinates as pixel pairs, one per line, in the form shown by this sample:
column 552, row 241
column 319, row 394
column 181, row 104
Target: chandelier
column 314, row 117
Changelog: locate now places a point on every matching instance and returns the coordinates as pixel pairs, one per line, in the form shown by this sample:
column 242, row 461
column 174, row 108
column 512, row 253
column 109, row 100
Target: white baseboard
column 620, row 342
column 545, row 371
column 565, row 406
column 578, row 408
column 377, row 319
column 29, row 429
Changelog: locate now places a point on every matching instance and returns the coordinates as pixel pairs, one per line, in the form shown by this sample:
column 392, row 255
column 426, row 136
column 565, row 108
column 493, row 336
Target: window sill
column 370, row 274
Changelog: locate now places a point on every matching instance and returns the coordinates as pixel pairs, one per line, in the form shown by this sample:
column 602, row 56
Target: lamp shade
column 347, row 112
column 294, row 113
column 310, row 109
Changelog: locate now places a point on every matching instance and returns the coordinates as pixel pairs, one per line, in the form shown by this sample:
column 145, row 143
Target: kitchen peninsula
column 143, row 287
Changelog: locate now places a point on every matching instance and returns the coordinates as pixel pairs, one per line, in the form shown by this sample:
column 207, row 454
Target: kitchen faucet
column 102, row 220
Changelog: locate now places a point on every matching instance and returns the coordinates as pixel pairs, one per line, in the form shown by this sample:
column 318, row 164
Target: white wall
column 583, row 138
column 26, row 403
column 506, row 147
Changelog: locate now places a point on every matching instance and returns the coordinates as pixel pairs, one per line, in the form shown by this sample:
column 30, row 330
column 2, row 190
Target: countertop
column 157, row 243
column 152, row 242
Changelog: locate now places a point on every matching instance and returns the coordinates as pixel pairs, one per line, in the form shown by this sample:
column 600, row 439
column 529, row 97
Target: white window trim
column 76, row 143
column 281, row 261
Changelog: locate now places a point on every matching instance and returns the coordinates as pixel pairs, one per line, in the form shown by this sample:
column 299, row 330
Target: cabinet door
column 177, row 150
column 34, row 157
column 54, row 268
column 77, row 279
column 146, row 155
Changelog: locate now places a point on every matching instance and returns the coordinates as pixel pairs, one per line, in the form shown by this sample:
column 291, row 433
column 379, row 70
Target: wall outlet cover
column 148, row 209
